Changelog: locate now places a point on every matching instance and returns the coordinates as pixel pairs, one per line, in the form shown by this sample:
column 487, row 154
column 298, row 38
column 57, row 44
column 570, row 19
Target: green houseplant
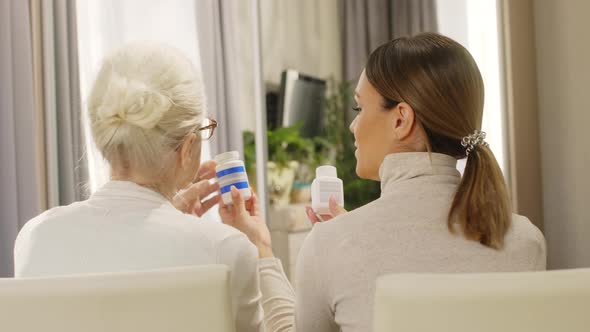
column 289, row 156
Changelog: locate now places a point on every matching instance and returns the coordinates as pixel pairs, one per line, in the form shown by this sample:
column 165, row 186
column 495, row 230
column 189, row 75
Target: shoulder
column 229, row 242
column 525, row 237
column 45, row 221
column 237, row 251
column 342, row 226
column 523, row 228
column 217, row 232
column 35, row 231
column 341, row 232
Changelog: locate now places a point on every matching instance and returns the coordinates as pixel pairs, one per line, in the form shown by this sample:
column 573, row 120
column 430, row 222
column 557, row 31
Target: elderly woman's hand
column 245, row 217
column 190, row 200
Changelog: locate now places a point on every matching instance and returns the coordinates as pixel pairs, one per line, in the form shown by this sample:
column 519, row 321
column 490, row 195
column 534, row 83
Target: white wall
column 563, row 55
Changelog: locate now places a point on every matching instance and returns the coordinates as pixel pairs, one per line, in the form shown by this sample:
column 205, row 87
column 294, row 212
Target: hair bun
column 132, row 102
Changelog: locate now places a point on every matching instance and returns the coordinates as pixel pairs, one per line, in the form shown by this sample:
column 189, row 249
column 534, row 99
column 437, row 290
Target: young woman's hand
column 245, row 216
column 335, row 210
column 189, row 200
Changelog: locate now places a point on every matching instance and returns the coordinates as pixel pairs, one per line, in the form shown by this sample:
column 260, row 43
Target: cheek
column 370, row 134
column 372, row 139
column 365, row 144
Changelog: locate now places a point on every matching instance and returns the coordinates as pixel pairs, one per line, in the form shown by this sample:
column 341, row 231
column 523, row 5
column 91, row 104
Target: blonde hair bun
column 132, row 102
column 146, row 99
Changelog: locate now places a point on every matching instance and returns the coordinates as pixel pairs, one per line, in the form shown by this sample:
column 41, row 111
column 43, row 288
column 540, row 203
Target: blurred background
column 279, row 76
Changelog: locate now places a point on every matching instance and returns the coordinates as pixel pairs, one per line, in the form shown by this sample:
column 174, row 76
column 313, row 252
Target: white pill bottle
column 231, row 171
column 326, row 184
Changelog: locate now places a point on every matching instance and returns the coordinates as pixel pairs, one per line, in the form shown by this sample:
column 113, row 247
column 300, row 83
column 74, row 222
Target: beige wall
column 522, row 108
column 303, row 35
column 562, row 38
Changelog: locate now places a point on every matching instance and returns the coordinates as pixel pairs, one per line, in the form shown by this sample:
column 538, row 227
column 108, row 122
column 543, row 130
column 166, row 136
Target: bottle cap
column 227, row 156
column 326, row 171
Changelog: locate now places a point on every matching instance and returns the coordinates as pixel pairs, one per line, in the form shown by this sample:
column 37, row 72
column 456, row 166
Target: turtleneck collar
column 400, row 167
column 128, row 189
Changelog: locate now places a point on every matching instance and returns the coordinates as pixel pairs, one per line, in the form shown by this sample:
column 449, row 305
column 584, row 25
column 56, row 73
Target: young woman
column 146, row 111
column 419, row 103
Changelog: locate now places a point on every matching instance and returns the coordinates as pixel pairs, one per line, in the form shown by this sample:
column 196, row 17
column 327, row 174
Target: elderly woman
column 146, row 112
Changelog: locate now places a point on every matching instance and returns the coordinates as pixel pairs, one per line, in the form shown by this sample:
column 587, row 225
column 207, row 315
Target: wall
column 295, row 34
column 522, row 106
column 563, row 52
column 475, row 25
column 303, row 35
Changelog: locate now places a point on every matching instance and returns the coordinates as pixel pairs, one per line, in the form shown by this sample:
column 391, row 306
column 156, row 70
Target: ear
column 403, row 121
column 186, row 151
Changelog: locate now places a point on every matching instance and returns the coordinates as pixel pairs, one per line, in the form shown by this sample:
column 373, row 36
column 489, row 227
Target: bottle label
column 234, row 176
column 238, row 185
column 328, row 189
column 232, row 170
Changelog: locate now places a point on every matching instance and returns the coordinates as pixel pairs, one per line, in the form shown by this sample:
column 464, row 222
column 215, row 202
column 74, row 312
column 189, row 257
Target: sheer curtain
column 105, row 25
column 216, row 35
column 475, row 25
column 226, row 47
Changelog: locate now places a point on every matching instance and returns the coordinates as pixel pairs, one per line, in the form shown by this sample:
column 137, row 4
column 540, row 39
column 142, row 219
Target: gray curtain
column 41, row 148
column 19, row 183
column 218, row 34
column 366, row 24
column 67, row 169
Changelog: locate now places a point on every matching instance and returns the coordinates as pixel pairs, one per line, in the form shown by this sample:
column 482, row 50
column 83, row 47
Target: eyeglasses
column 207, row 129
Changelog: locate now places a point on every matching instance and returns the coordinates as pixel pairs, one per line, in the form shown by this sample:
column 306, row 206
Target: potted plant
column 288, row 155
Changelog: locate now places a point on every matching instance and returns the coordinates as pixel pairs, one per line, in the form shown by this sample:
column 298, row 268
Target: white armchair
column 497, row 302
column 174, row 299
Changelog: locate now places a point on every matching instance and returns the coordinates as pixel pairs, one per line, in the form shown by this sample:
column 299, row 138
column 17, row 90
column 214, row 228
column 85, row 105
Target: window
column 105, row 25
column 474, row 24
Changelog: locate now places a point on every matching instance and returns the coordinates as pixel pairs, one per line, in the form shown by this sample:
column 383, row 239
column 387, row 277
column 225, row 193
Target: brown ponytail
column 440, row 80
column 481, row 205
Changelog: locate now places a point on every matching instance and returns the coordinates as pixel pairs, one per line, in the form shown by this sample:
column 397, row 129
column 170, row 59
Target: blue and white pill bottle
column 231, row 171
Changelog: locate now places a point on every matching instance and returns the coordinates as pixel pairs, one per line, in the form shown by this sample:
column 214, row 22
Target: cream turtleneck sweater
column 405, row 230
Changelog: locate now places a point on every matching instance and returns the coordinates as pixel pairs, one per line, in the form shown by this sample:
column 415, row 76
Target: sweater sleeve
column 314, row 311
column 278, row 297
column 242, row 258
column 308, row 308
column 541, row 252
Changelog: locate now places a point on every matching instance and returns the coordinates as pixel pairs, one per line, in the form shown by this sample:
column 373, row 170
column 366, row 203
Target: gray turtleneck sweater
column 405, row 230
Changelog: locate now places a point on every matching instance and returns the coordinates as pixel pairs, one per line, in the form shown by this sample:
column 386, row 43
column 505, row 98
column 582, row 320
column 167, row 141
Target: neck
column 398, row 168
column 159, row 186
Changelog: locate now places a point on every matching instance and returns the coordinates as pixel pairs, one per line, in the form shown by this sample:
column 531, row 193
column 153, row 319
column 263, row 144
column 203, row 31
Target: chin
column 361, row 172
